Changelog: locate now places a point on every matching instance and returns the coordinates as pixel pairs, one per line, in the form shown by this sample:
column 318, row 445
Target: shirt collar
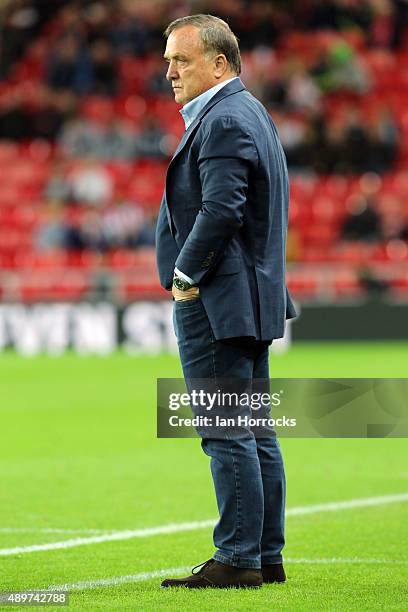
column 191, row 110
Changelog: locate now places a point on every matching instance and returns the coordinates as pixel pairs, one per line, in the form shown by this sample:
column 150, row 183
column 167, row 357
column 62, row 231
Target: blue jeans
column 248, row 473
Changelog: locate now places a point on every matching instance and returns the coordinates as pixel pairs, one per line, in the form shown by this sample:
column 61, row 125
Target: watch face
column 181, row 284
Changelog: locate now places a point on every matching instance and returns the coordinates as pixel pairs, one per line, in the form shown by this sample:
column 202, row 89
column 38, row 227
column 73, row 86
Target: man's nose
column 171, row 72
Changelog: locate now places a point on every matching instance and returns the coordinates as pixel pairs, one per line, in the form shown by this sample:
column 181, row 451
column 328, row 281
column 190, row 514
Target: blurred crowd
column 371, row 218
column 92, row 32
column 349, row 143
column 85, row 212
column 84, row 43
column 86, row 39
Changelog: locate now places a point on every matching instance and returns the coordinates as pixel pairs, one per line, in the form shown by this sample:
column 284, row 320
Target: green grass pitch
column 79, row 453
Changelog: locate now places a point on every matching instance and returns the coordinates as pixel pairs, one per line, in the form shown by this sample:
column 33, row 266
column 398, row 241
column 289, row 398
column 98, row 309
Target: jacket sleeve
column 224, row 160
column 166, row 249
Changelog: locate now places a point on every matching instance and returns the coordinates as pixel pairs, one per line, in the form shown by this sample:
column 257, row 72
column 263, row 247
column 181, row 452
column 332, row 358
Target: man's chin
column 178, row 97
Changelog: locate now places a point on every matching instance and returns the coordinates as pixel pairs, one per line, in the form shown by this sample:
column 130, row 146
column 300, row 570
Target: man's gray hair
column 215, row 34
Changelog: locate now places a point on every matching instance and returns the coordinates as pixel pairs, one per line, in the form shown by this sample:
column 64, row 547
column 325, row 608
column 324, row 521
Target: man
column 221, row 237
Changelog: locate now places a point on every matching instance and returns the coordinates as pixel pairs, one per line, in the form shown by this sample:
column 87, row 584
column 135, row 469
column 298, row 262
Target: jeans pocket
column 187, row 303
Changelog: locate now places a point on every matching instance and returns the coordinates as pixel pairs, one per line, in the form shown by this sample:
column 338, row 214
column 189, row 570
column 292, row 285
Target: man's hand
column 182, row 296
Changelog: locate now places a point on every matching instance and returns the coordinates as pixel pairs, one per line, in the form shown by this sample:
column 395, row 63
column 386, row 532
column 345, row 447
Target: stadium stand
column 88, row 124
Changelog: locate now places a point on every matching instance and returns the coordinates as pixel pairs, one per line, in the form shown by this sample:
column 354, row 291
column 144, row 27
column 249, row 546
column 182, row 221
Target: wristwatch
column 181, row 284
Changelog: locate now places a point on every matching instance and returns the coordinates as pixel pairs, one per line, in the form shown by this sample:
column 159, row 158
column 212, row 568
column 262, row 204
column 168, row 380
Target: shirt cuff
column 184, row 276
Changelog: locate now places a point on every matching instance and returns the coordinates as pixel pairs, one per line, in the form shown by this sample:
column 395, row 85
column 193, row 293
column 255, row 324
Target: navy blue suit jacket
column 224, row 215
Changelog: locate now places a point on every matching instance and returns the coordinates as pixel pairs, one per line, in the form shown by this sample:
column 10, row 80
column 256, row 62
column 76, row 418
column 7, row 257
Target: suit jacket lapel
column 169, row 219
column 185, row 137
column 229, row 89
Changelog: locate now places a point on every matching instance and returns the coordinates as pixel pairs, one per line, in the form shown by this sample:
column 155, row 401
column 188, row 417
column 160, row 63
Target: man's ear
column 221, row 65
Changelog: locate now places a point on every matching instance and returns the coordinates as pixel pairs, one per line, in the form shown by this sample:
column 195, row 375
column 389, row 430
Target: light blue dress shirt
column 189, row 112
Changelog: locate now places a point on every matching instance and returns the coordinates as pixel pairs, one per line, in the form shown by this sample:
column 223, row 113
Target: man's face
column 190, row 70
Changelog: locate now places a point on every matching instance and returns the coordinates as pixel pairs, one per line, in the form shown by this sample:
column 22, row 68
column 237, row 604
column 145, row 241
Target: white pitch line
column 118, row 580
column 297, row 511
column 109, row 537
column 178, row 571
column 192, row 526
column 339, row 560
column 52, row 530
column 348, row 504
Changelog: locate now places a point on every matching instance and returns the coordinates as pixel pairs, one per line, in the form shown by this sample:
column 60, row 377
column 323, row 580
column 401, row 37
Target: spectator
column 90, row 231
column 362, row 222
column 91, row 183
column 128, row 33
column 339, row 15
column 14, row 119
column 117, row 141
column 69, row 66
column 103, row 282
column 261, row 75
column 394, row 222
column 382, row 26
column 69, row 22
column 385, row 139
column 97, row 16
column 275, row 93
column 147, row 233
column 18, row 23
column 325, row 150
column 400, row 22
column 74, row 240
column 151, row 141
column 156, row 84
column 338, row 68
column 293, row 134
column 59, row 188
column 112, row 140
column 356, row 142
column 122, row 223
column 53, row 108
column 103, row 68
column 52, row 233
column 301, row 91
column 263, row 28
column 80, row 138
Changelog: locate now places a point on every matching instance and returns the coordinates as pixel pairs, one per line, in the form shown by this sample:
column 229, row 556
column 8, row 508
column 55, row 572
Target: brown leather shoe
column 213, row 574
column 273, row 573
